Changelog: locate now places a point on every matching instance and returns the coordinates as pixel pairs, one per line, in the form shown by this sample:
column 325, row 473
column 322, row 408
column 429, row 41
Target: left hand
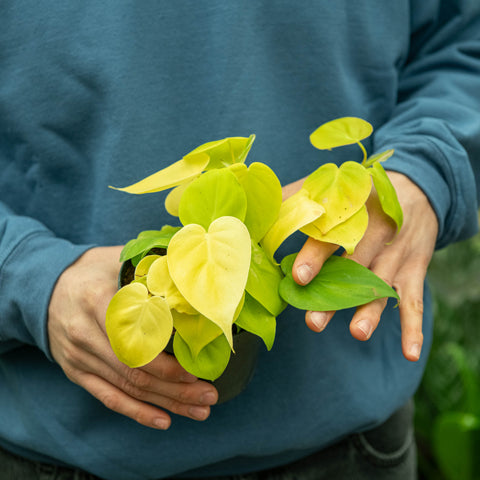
column 402, row 263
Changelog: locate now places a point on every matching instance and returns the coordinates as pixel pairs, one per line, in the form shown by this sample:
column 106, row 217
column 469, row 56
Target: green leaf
column 264, row 197
column 210, row 362
column 160, row 283
column 147, row 240
column 211, row 268
column 339, row 132
column 346, row 234
column 196, row 330
column 386, row 194
column 214, row 194
column 175, row 174
column 341, row 283
column 379, row 157
column 456, row 442
column 263, row 281
column 342, row 191
column 295, row 212
column 225, row 152
column 138, row 326
column 257, row 320
column 144, row 265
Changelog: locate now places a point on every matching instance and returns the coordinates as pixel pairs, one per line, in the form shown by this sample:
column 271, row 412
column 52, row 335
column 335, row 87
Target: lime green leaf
column 257, row 320
column 147, row 240
column 263, row 281
column 379, row 157
column 211, row 268
column 264, row 197
column 346, row 234
column 339, row 132
column 175, row 174
column 144, row 265
column 295, row 212
column 138, row 326
column 341, row 283
column 196, row 330
column 342, row 191
column 226, row 151
column 160, row 283
column 386, row 194
column 172, row 201
column 216, row 193
column 209, row 363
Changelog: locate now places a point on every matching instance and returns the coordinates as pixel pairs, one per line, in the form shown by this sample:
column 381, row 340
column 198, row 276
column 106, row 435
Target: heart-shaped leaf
column 263, row 281
column 145, row 241
column 342, row 191
column 138, row 326
column 196, row 330
column 172, row 201
column 160, row 283
column 295, row 212
column 386, row 194
column 346, row 234
column 257, row 320
column 339, row 132
column 264, row 198
column 211, row 268
column 216, row 193
column 144, row 265
column 175, row 174
column 341, row 283
column 209, row 363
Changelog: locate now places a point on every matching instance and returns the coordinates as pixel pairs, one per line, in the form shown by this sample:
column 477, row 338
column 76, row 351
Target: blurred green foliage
column 448, row 401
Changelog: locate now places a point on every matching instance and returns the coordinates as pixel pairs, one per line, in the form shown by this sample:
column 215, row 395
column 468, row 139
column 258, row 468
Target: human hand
column 79, row 344
column 402, row 263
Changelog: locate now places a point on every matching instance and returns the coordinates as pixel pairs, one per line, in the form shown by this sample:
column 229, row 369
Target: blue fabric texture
column 103, row 93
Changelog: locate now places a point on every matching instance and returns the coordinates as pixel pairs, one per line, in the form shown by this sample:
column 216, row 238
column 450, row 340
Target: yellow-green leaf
column 160, row 283
column 144, row 265
column 138, row 325
column 379, row 157
column 264, row 198
column 339, row 132
column 211, row 268
column 256, row 319
column 216, row 193
column 177, row 173
column 342, row 191
column 172, row 201
column 295, row 212
column 346, row 234
column 196, row 330
column 386, row 194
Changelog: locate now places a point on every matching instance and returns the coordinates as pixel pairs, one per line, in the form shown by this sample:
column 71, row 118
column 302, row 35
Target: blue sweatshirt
column 103, row 93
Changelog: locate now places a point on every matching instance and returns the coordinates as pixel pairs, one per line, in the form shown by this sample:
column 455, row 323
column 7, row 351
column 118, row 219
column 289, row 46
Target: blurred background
column 448, row 400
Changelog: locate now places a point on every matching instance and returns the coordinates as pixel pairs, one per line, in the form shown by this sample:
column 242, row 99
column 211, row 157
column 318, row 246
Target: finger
column 310, row 260
column 366, row 319
column 118, row 401
column 317, row 321
column 166, row 367
column 410, row 289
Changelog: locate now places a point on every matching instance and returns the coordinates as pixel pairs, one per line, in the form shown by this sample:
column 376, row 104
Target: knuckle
column 414, row 305
column 111, row 401
column 138, row 378
column 132, row 390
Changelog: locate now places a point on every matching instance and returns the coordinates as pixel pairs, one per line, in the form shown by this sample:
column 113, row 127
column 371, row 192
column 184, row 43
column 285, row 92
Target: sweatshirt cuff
column 28, row 277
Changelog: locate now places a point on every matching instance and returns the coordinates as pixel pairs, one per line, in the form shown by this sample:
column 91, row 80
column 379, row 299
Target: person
column 103, row 93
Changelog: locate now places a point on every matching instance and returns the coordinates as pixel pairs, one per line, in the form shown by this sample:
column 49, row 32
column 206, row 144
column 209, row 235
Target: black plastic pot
column 242, row 363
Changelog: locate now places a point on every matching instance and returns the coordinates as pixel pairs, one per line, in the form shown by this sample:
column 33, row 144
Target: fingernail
column 199, row 413
column 161, row 423
column 319, row 320
column 208, row 398
column 415, row 350
column 304, row 274
column 365, row 327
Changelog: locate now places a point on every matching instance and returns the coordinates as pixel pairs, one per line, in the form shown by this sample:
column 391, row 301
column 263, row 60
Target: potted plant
column 200, row 287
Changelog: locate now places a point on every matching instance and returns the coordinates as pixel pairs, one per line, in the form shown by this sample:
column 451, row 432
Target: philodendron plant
column 219, row 274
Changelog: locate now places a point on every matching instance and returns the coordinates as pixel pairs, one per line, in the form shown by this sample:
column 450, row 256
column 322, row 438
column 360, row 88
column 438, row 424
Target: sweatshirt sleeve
column 31, row 260
column 435, row 127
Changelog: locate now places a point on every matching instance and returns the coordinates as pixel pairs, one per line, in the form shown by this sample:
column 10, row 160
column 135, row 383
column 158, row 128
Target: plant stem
column 364, row 152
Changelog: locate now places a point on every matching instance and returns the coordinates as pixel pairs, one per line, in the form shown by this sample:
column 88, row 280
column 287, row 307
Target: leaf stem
column 364, row 152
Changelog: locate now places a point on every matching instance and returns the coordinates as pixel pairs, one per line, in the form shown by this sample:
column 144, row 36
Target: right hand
column 79, row 344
